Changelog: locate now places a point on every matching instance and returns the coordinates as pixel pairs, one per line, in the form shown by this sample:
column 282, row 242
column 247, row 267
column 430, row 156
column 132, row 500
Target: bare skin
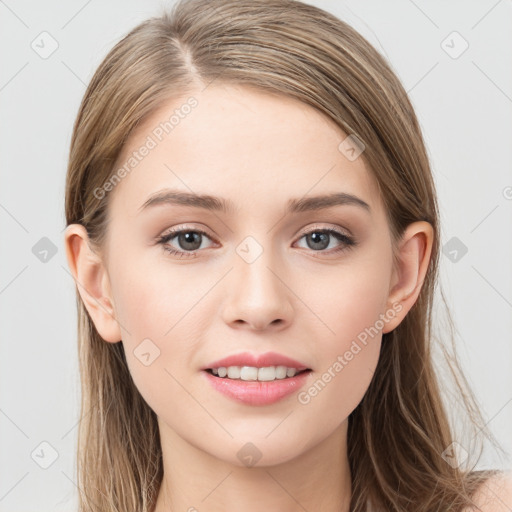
column 297, row 298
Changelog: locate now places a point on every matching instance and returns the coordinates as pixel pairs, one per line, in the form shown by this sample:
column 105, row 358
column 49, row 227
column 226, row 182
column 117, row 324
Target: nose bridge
column 255, row 277
column 256, row 294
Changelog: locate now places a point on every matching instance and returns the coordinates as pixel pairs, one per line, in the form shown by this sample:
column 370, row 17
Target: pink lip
column 257, row 360
column 256, row 392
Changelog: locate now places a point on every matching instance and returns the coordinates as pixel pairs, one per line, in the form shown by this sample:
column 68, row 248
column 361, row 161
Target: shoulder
column 495, row 494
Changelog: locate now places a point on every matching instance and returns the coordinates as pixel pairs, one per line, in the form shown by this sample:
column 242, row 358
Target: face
column 192, row 284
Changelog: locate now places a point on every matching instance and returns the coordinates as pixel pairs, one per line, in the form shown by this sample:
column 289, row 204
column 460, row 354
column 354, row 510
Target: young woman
column 253, row 229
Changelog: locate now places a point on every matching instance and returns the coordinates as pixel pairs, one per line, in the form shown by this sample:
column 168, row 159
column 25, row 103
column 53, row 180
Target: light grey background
column 464, row 105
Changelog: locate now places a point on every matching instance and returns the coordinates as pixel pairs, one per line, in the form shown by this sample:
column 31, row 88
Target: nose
column 257, row 294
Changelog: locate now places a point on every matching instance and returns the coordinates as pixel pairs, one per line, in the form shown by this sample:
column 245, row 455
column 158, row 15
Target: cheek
column 154, row 301
column 347, row 364
column 163, row 318
column 352, row 309
column 346, row 300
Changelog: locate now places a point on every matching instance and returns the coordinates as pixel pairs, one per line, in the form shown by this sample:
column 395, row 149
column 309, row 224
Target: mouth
column 250, row 366
column 244, row 384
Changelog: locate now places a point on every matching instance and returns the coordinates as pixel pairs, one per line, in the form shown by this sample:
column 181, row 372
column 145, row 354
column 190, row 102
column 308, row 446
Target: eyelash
column 348, row 242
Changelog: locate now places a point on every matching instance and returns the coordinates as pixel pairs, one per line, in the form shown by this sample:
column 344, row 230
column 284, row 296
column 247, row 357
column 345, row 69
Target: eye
column 189, row 240
column 319, row 239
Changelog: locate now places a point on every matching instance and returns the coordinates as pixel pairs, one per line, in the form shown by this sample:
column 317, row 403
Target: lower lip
column 256, row 392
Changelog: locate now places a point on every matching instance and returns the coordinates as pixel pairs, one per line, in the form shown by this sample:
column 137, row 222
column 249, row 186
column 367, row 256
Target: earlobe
column 92, row 282
column 414, row 253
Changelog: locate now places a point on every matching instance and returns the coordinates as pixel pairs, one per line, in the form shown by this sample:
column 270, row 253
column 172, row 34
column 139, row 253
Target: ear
column 414, row 252
column 92, row 281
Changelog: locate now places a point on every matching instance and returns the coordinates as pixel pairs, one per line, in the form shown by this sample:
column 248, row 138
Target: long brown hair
column 399, row 433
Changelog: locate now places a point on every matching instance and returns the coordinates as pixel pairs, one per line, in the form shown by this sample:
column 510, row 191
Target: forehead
column 252, row 147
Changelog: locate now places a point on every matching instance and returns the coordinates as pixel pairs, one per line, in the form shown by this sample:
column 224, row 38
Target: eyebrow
column 213, row 203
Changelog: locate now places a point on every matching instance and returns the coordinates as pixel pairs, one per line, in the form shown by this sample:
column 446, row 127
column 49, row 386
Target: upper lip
column 257, row 360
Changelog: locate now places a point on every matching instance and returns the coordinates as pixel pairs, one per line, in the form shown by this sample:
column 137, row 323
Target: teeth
column 234, row 372
column 248, row 373
column 268, row 373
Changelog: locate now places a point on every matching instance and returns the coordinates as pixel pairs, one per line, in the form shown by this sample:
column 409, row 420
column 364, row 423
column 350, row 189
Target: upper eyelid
column 319, row 227
column 180, row 229
column 173, row 232
column 304, row 231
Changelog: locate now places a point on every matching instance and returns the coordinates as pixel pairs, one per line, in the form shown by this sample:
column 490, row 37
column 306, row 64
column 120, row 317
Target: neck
column 195, row 481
